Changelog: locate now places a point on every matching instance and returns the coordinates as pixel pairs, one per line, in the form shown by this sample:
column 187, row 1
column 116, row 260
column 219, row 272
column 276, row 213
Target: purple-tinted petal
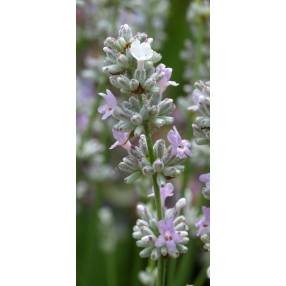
column 187, row 147
column 110, row 99
column 174, row 137
column 102, row 108
column 169, row 225
column 106, row 115
column 181, row 154
column 160, row 241
column 176, row 237
column 161, row 226
column 206, row 212
column 196, row 95
column 168, row 73
column 203, row 224
column 204, row 178
column 120, row 136
column 166, row 191
column 171, row 246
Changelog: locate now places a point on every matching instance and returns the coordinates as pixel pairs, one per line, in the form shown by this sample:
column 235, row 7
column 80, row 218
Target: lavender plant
column 133, row 68
column 201, row 128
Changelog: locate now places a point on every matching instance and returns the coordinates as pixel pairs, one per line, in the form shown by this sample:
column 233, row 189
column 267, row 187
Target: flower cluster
column 167, row 161
column 168, row 236
column 201, row 128
column 201, row 105
column 130, row 64
column 133, row 68
column 98, row 18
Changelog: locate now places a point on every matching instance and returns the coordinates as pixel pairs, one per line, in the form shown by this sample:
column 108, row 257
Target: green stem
column 164, row 270
column 162, row 261
column 154, row 176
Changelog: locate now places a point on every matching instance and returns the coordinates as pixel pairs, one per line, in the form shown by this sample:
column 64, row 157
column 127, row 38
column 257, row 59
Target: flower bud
column 166, row 106
column 140, row 75
column 182, row 248
column 147, row 170
column 113, row 81
column 125, row 168
column 179, row 219
column 110, row 42
column 180, row 226
column 132, row 178
column 133, row 84
column 164, row 251
column 122, row 43
column 141, row 211
column 123, row 82
column 149, row 83
column 148, row 65
column 181, row 203
column 153, row 110
column 143, row 144
column 183, row 233
column 155, row 89
column 156, row 57
column 122, row 59
column 125, row 32
column 145, row 252
column 136, row 235
column 136, row 119
column 141, row 223
column 159, row 122
column 138, row 130
column 155, row 254
column 161, row 180
column 185, row 240
column 109, row 53
column 159, row 148
column 158, row 166
column 112, row 69
column 171, row 172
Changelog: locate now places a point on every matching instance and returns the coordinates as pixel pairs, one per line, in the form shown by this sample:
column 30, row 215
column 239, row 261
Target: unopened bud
column 158, row 166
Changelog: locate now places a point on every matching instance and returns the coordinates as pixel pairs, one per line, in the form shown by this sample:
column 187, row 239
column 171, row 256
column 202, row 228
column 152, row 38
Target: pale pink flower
column 110, row 104
column 180, row 147
column 165, row 81
column 121, row 140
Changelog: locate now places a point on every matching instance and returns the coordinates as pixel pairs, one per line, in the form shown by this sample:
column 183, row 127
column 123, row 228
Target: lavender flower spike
column 169, row 237
column 180, row 147
column 110, row 103
column 121, row 140
column 165, row 81
column 203, row 224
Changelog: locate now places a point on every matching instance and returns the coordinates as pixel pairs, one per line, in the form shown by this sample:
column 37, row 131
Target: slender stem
column 162, row 261
column 164, row 271
column 159, row 274
column 154, row 177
